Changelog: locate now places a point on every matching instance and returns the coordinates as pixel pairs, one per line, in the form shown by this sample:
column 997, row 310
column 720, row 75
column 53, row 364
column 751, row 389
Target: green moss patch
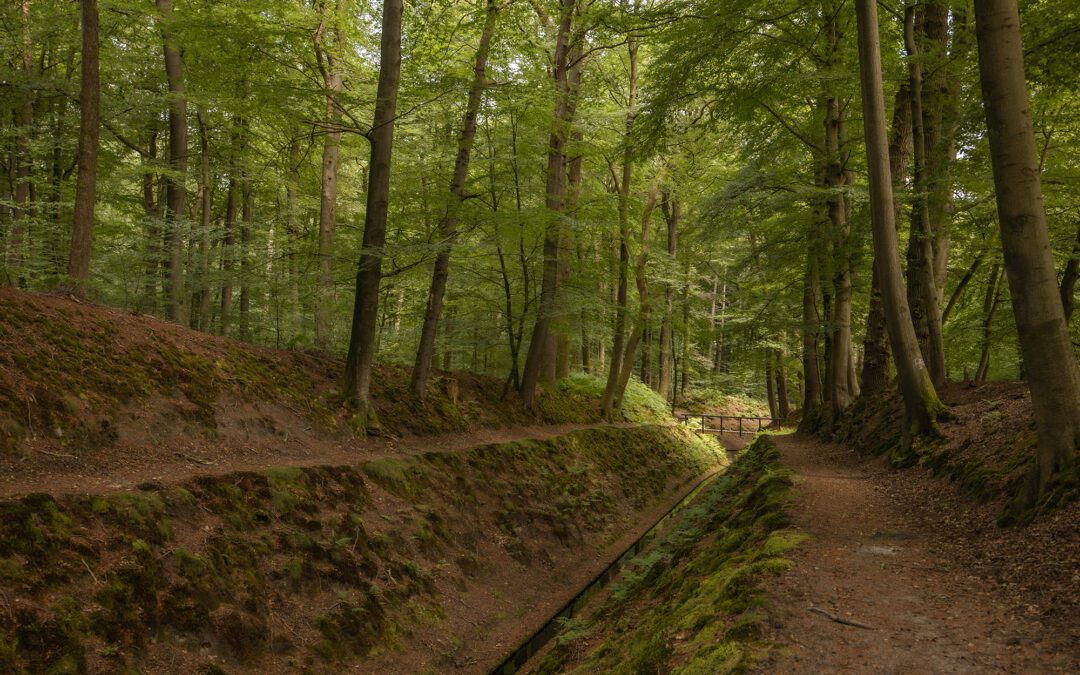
column 691, row 602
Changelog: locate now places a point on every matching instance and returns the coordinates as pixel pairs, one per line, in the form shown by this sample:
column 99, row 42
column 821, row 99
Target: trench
column 533, row 644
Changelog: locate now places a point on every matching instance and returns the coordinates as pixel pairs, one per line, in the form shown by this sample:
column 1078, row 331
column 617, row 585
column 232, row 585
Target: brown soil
column 942, row 588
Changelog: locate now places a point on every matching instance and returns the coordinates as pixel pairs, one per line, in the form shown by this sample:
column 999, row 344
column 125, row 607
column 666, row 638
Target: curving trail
column 881, row 558
column 187, row 457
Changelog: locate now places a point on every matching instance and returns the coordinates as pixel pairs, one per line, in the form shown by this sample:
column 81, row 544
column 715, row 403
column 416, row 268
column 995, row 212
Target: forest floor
column 123, row 467
column 935, row 585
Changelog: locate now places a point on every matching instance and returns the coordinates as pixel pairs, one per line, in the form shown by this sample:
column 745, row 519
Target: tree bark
column 875, row 370
column 922, row 283
column 23, row 161
column 643, row 302
column 783, row 405
column 361, row 354
column 228, row 242
column 921, row 404
column 200, row 309
column 837, row 390
column 176, row 190
column 770, row 382
column 811, row 333
column 246, row 218
column 89, row 128
column 1049, row 360
column 960, row 286
column 990, row 303
column 607, row 404
column 670, row 207
column 327, row 38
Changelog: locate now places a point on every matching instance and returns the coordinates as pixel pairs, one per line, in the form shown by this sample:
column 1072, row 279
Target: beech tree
column 1049, row 360
column 921, row 404
column 361, row 354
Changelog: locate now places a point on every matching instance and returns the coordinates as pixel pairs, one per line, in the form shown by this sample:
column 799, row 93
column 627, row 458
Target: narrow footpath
column 126, row 466
column 888, row 583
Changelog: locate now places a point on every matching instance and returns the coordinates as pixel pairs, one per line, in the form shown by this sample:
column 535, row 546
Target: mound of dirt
column 989, row 442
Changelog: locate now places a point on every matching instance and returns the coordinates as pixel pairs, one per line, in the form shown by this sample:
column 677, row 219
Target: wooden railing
column 729, row 424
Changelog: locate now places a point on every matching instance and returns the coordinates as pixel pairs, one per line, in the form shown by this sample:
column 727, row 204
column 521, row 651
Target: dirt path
column 121, row 469
column 898, row 565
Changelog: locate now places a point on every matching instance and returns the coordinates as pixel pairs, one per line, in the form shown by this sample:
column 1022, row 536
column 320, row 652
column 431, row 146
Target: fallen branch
column 839, row 619
column 56, row 454
column 92, row 575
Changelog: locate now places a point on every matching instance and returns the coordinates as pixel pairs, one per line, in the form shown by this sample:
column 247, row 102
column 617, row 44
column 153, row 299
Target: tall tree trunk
column 922, row 283
column 960, row 286
column 327, row 39
column 875, row 370
column 176, row 191
column 361, row 354
column 839, row 355
column 684, row 375
column 811, row 334
column 921, row 404
column 246, row 218
column 228, row 242
column 292, row 218
column 783, row 405
column 89, row 128
column 448, row 226
column 570, row 207
column 1049, row 360
column 990, row 303
column 770, row 382
column 670, row 208
column 607, row 404
column 23, row 161
column 153, row 208
column 553, row 202
column 644, row 308
column 200, row 310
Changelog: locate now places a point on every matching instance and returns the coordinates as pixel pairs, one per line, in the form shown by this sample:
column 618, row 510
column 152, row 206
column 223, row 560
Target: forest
column 840, row 210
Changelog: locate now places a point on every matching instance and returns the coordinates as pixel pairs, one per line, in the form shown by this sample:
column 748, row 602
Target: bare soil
column 940, row 588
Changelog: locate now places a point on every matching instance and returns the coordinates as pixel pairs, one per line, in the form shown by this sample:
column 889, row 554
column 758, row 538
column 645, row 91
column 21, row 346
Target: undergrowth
column 582, row 392
column 691, row 602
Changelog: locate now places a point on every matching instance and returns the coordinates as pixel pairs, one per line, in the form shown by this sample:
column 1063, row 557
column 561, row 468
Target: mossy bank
column 691, row 603
column 316, row 569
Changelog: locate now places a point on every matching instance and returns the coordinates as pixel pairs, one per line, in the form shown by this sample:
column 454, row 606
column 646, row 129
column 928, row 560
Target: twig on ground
column 7, row 606
column 92, row 575
column 56, row 454
column 839, row 619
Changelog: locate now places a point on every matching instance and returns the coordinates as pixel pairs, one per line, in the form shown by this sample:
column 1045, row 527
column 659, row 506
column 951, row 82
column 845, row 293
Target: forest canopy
column 682, row 192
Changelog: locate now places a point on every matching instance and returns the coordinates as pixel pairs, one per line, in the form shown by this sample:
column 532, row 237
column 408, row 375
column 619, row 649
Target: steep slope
column 411, row 564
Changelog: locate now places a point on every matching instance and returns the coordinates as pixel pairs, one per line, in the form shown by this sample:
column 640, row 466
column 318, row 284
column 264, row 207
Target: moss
column 396, row 476
column 695, row 591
